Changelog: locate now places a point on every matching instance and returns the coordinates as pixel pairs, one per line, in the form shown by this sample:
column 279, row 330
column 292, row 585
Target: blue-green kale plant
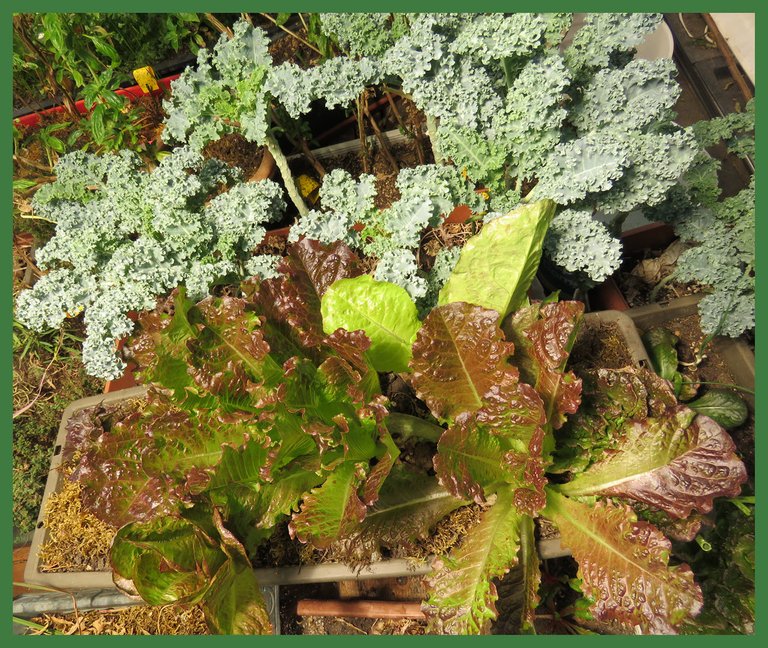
column 235, row 88
column 721, row 232
column 514, row 106
column 126, row 236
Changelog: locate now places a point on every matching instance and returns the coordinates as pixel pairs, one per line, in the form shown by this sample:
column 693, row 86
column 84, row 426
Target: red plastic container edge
column 132, row 94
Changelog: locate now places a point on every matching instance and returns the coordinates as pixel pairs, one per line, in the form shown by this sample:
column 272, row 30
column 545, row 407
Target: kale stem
column 432, row 134
column 290, row 185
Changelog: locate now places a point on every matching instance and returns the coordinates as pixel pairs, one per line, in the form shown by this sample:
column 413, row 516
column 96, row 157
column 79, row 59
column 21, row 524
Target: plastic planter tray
column 735, row 353
column 102, row 580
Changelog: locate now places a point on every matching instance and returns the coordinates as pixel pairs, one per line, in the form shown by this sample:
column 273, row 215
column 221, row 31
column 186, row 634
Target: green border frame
column 139, row 6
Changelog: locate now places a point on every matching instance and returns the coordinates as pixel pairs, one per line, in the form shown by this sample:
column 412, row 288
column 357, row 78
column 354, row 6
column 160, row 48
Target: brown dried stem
column 381, row 138
column 218, row 25
column 291, row 33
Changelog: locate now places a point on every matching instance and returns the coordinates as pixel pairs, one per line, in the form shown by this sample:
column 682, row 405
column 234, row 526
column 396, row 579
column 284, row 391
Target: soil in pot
column 599, row 346
column 236, row 151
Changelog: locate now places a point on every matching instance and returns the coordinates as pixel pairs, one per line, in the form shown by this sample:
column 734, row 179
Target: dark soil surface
column 236, row 151
column 288, row 48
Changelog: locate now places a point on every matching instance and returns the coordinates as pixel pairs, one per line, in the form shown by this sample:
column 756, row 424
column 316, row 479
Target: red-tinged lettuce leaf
column 159, row 346
column 307, row 272
column 212, row 355
column 462, row 593
column 153, row 461
column 332, row 510
column 623, row 566
column 684, row 530
column 514, row 412
column 192, row 560
column 228, row 354
column 500, row 443
column 543, row 335
column 678, row 463
column 610, row 397
column 458, row 355
column 255, row 488
column 168, row 560
column 519, row 589
column 233, row 602
column 409, row 506
column 469, row 460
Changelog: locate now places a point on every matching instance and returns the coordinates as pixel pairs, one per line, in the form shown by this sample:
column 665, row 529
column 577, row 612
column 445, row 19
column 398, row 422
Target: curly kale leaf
column 628, row 98
column 593, row 163
column 224, row 93
column 577, row 242
column 339, row 81
column 364, row 34
column 125, row 237
column 603, row 35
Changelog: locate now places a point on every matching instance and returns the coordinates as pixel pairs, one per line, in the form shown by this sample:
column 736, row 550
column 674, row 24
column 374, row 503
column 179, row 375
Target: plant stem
column 382, row 140
column 432, row 134
column 31, row 163
column 361, row 131
column 407, row 426
column 294, row 34
column 218, row 25
column 657, row 288
column 282, row 163
column 415, row 133
column 300, row 141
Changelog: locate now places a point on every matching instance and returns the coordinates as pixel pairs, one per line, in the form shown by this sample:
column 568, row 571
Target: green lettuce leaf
column 497, row 266
column 724, row 407
column 463, row 595
column 383, row 310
